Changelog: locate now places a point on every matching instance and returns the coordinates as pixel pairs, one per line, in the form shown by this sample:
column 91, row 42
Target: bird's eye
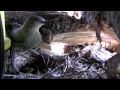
column 36, row 18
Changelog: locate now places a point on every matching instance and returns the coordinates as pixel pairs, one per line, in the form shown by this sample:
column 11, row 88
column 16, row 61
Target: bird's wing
column 32, row 39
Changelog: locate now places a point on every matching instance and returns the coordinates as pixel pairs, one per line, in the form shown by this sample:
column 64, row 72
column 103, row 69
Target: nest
column 43, row 64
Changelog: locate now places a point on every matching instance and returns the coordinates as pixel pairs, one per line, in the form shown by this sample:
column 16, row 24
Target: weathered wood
column 86, row 37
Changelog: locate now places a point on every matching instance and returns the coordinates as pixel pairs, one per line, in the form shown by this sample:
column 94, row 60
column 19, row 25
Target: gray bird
column 28, row 34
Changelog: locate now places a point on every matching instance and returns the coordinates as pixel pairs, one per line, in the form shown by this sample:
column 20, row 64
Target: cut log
column 82, row 38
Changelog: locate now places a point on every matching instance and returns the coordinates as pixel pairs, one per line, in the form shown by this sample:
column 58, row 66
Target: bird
column 27, row 35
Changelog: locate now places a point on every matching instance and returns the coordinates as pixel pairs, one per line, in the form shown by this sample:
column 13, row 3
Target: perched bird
column 28, row 34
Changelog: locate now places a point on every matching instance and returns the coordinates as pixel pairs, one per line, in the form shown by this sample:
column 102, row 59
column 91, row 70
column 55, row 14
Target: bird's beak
column 48, row 21
column 45, row 22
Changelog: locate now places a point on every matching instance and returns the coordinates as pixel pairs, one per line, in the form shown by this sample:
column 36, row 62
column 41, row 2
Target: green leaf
column 7, row 43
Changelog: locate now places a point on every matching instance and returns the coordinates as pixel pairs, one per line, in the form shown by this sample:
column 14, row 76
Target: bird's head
column 45, row 34
column 37, row 20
